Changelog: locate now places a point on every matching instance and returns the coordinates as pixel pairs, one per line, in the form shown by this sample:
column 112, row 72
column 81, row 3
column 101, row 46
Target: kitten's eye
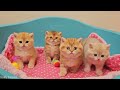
column 51, row 37
column 56, row 38
column 102, row 55
column 75, row 48
column 27, row 41
column 68, row 48
column 20, row 41
column 95, row 54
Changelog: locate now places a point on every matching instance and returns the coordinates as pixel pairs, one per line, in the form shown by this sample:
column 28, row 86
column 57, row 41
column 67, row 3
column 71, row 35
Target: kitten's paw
column 48, row 61
column 21, row 66
column 87, row 69
column 62, row 73
column 30, row 65
column 99, row 72
column 73, row 70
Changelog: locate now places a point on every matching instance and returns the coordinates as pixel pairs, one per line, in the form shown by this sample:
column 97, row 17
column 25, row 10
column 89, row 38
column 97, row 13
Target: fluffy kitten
column 24, row 49
column 71, row 53
column 52, row 39
column 95, row 53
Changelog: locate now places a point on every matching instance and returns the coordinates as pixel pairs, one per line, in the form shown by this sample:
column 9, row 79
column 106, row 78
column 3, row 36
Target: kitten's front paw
column 48, row 60
column 30, row 65
column 87, row 69
column 99, row 72
column 74, row 70
column 21, row 66
column 62, row 73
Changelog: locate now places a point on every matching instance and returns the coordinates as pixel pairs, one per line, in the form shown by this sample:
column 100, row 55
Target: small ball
column 56, row 63
column 15, row 65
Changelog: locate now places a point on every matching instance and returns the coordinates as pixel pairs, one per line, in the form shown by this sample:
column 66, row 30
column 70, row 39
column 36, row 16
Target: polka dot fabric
column 113, row 63
column 94, row 35
column 9, row 48
column 48, row 71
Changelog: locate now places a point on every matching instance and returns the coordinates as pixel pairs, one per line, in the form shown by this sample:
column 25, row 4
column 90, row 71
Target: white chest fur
column 23, row 54
column 53, row 50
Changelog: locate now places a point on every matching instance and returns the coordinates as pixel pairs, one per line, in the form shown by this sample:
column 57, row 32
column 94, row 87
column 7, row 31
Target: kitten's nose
column 23, row 45
column 54, row 39
column 98, row 59
column 71, row 51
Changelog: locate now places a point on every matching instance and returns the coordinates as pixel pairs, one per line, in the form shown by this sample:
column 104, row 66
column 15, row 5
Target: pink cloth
column 113, row 63
column 48, row 71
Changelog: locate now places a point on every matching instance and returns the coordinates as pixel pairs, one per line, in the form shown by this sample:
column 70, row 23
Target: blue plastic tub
column 69, row 28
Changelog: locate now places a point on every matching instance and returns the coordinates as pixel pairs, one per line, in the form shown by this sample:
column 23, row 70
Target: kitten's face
column 23, row 40
column 53, row 38
column 71, row 47
column 98, row 51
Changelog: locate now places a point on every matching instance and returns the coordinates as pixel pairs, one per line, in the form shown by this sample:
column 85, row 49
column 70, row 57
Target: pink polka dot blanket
column 42, row 70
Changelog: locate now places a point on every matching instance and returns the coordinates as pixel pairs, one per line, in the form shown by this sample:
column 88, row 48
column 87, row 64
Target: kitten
column 52, row 39
column 24, row 49
column 71, row 53
column 95, row 53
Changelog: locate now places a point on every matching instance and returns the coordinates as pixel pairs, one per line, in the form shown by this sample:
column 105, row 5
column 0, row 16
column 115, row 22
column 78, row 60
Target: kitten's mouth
column 71, row 53
column 54, row 43
column 23, row 47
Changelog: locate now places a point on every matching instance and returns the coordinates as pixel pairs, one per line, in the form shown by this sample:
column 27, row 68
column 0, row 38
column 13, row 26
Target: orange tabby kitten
column 95, row 53
column 71, row 52
column 52, row 39
column 24, row 49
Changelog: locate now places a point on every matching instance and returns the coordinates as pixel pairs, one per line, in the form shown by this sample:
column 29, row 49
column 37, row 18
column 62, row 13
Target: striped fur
column 52, row 40
column 71, row 52
column 25, row 51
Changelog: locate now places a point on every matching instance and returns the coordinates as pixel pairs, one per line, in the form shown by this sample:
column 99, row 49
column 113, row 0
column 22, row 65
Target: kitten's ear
column 91, row 45
column 63, row 39
column 108, row 46
column 60, row 33
column 31, row 35
column 46, row 32
column 15, row 34
column 79, row 39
